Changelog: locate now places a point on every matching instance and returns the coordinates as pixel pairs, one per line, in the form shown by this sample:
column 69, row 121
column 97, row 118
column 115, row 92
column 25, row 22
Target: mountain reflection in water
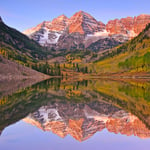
column 81, row 108
column 81, row 121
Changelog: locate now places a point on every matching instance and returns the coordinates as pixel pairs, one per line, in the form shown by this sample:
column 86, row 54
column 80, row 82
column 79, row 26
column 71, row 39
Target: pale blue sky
column 23, row 136
column 23, row 14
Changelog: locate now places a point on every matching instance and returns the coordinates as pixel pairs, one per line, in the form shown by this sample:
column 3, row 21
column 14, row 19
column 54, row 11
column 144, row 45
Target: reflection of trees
column 23, row 102
column 18, row 105
column 134, row 98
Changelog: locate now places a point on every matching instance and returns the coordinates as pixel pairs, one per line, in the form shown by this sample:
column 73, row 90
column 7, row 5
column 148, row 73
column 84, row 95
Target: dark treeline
column 53, row 70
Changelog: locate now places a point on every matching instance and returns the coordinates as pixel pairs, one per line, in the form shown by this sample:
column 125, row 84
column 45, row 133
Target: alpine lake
column 94, row 114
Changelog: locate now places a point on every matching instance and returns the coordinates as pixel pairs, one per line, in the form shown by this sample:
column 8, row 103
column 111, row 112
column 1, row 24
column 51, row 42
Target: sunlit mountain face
column 82, row 31
column 81, row 108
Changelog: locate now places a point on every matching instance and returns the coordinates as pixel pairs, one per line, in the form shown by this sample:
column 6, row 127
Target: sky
column 24, row 14
column 23, row 136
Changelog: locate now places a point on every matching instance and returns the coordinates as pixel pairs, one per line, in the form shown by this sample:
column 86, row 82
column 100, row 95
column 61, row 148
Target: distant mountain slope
column 17, row 42
column 133, row 56
column 82, row 30
column 103, row 44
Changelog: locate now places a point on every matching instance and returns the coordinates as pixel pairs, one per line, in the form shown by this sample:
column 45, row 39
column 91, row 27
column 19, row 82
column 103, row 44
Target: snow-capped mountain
column 81, row 30
column 48, row 32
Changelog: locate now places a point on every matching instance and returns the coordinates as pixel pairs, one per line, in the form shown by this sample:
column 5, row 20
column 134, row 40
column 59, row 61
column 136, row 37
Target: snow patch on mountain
column 47, row 114
column 91, row 38
column 49, row 38
column 131, row 33
column 103, row 34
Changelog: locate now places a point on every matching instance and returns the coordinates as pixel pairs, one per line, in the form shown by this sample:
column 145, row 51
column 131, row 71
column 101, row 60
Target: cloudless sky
column 24, row 14
column 23, row 136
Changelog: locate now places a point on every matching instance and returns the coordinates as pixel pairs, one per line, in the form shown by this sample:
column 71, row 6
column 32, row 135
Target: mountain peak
column 83, row 23
column 59, row 23
column 82, row 13
column 63, row 16
column 143, row 15
column 84, row 28
column 60, row 18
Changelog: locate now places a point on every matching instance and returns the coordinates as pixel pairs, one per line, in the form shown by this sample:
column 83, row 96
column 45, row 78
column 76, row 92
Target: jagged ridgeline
column 83, row 31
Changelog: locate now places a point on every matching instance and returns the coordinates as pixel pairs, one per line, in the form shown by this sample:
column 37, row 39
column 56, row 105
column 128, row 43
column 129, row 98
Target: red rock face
column 83, row 121
column 120, row 26
column 128, row 23
column 135, row 127
column 75, row 129
column 84, row 23
column 140, row 22
column 57, row 127
column 102, row 25
column 123, row 26
column 34, row 29
column 82, row 30
column 59, row 23
column 115, row 27
column 82, row 130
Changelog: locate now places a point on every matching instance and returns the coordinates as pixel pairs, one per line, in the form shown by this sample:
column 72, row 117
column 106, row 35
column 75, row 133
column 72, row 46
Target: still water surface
column 85, row 114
